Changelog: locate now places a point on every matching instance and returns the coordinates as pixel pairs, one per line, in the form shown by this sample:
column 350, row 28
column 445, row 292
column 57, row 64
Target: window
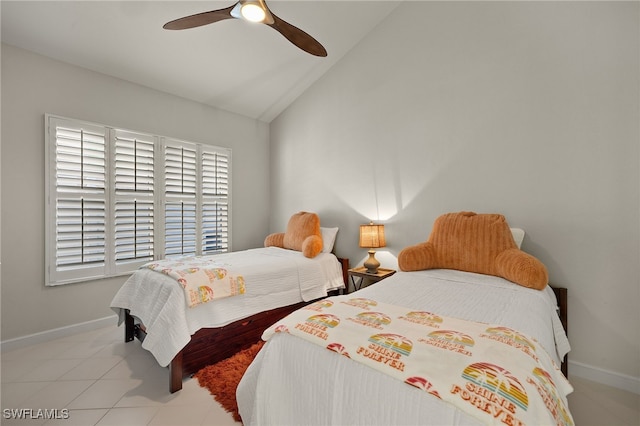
column 117, row 199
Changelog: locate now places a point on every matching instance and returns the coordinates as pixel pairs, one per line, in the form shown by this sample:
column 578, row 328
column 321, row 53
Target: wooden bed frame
column 210, row 345
column 561, row 295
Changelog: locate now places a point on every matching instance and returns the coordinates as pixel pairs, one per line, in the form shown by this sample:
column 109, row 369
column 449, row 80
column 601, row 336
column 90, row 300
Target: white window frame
column 111, row 268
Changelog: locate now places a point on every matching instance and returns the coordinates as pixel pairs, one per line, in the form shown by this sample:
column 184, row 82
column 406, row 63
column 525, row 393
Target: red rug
column 222, row 378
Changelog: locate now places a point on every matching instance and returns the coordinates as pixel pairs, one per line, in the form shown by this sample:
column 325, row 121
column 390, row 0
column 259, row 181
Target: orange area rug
column 223, row 377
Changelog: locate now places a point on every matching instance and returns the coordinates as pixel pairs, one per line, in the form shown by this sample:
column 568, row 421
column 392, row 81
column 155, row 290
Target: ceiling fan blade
column 298, row 37
column 199, row 19
column 294, row 34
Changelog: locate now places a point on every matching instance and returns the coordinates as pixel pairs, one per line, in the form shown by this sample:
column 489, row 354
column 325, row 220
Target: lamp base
column 372, row 263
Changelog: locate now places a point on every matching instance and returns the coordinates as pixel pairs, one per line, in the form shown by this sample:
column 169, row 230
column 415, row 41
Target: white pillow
column 518, row 236
column 328, row 238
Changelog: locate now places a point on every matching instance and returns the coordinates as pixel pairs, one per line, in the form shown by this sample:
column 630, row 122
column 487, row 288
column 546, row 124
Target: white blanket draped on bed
column 336, row 390
column 274, row 277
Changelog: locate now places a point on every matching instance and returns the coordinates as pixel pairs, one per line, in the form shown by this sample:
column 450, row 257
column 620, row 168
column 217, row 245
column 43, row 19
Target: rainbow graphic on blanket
column 325, row 320
column 372, row 319
column 394, row 342
column 424, row 318
column 497, row 380
column 512, row 338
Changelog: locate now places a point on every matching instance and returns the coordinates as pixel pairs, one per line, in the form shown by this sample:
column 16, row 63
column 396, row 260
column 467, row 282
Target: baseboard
column 56, row 333
column 605, row 377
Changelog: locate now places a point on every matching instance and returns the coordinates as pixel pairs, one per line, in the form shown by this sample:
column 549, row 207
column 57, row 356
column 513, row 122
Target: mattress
column 331, row 389
column 274, row 277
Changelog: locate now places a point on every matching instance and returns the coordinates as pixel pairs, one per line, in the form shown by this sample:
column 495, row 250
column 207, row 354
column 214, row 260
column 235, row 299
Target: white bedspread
column 294, row 382
column 274, row 277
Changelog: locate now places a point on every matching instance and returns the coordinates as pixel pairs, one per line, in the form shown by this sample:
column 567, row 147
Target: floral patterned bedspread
column 202, row 279
column 494, row 373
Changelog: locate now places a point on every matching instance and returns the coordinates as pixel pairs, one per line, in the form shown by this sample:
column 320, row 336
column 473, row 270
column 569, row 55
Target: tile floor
column 101, row 381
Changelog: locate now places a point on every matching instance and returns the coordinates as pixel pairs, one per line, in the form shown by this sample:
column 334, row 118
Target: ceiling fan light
column 252, row 12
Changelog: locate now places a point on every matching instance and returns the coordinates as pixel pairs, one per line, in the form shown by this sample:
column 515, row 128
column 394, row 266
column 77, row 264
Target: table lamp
column 372, row 236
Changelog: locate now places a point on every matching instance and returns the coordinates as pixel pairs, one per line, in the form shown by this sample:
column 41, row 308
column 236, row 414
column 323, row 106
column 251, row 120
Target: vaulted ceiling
column 238, row 66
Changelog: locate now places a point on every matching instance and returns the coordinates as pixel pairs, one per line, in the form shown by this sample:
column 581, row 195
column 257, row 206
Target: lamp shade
column 372, row 236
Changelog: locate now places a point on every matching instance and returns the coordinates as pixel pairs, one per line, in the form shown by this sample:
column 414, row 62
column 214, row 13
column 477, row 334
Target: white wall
column 33, row 85
column 529, row 109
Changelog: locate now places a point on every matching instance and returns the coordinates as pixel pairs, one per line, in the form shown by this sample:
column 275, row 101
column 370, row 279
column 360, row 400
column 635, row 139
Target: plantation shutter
column 134, row 218
column 215, row 208
column 76, row 249
column 180, row 167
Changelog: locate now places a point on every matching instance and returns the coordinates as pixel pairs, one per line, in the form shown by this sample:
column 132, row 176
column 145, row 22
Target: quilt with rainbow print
column 202, row 279
column 494, row 373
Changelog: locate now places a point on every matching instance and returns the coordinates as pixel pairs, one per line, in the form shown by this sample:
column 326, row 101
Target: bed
column 296, row 381
column 153, row 307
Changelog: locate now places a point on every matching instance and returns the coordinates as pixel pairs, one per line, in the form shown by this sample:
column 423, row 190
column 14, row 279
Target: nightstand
column 367, row 278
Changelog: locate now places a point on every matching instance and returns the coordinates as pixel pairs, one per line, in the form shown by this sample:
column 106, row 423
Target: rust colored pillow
column 472, row 242
column 303, row 234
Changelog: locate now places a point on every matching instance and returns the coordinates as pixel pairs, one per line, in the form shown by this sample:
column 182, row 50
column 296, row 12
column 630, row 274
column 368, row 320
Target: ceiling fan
column 254, row 11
